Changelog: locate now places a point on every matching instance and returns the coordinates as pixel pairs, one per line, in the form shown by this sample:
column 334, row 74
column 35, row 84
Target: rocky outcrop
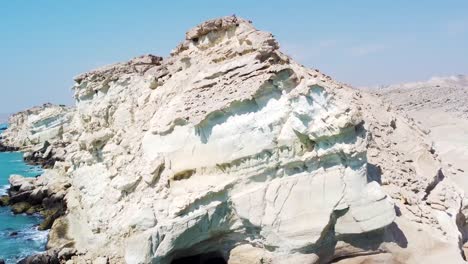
column 46, row 154
column 438, row 107
column 43, row 258
column 4, row 148
column 40, row 132
column 37, row 125
column 230, row 152
column 428, row 203
column 43, row 195
column 225, row 143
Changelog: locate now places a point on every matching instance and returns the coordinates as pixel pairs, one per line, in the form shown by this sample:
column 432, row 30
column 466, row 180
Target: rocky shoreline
column 4, row 148
column 33, row 196
column 43, row 155
column 37, row 196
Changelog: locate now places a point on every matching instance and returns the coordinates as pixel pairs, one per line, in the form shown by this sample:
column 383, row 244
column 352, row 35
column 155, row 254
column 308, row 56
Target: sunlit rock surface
column 36, row 125
column 229, row 149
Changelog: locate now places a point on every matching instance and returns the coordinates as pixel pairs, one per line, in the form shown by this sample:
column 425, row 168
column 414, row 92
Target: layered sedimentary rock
column 39, row 132
column 230, row 151
column 227, row 142
column 37, row 125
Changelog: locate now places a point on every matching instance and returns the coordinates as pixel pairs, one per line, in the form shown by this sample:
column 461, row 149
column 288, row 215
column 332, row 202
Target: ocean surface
column 28, row 239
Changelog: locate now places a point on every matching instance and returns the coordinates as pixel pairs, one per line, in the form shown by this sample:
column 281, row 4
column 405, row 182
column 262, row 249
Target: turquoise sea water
column 28, row 240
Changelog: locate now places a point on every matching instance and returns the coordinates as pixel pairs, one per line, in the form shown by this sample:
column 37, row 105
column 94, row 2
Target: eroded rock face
column 437, row 109
column 428, row 203
column 438, row 105
column 41, row 132
column 230, row 150
column 226, row 142
column 33, row 127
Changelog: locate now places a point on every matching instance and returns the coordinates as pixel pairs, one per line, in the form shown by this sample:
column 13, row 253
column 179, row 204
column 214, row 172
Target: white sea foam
column 31, row 234
column 4, row 189
column 36, row 235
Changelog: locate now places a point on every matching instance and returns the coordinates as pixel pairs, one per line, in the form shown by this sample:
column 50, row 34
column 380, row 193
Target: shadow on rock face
column 370, row 243
column 208, row 258
column 397, row 211
column 374, row 173
column 394, row 234
column 391, row 233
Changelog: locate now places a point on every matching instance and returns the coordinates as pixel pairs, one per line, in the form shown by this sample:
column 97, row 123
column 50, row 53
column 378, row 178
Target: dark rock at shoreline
column 49, row 257
column 21, row 207
column 50, row 217
column 44, row 163
column 21, row 197
column 30, row 196
column 43, row 156
column 4, row 148
column 2, row 261
column 4, row 200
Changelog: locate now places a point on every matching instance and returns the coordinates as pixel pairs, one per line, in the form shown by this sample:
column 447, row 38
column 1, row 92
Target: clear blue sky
column 43, row 44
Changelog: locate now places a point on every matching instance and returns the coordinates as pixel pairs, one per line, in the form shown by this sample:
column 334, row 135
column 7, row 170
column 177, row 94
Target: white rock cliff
column 228, row 149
